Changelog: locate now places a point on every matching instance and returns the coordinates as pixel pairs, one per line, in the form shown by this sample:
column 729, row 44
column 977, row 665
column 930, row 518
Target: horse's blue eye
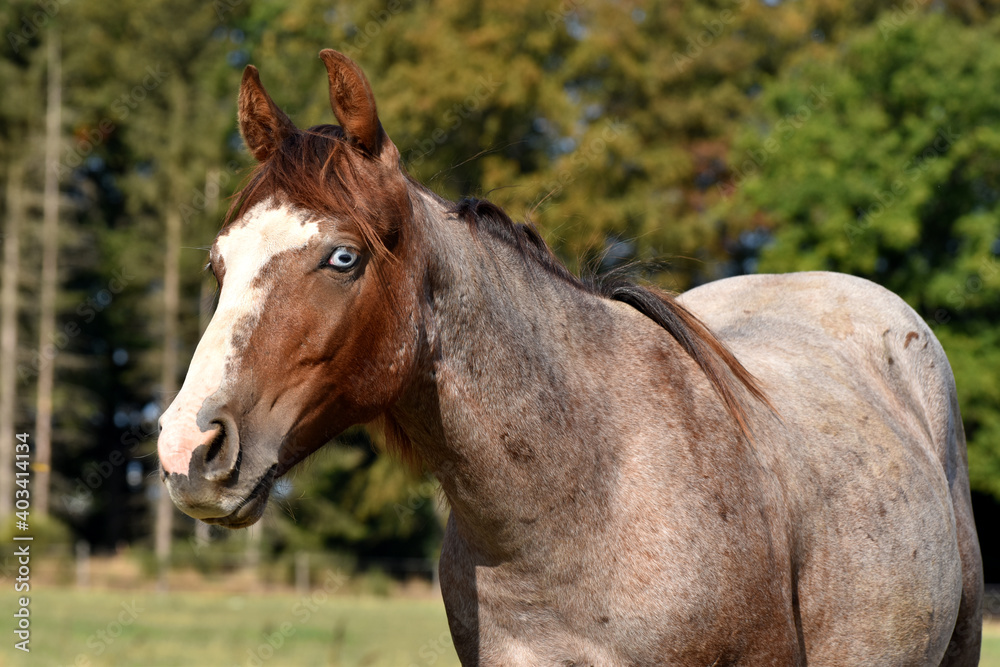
column 344, row 258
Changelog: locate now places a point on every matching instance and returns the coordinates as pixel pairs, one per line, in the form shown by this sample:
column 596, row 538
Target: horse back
column 869, row 450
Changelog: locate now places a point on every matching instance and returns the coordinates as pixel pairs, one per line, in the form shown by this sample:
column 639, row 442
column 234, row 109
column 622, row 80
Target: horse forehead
column 265, row 231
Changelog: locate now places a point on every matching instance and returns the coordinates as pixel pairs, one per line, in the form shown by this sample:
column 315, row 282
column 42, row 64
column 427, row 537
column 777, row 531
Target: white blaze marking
column 248, row 246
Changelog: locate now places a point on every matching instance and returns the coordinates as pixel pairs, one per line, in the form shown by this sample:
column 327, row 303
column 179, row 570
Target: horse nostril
column 215, row 446
column 221, row 459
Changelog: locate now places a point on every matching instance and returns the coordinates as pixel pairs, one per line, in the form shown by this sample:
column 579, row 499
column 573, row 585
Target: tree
column 50, row 274
column 14, row 215
column 107, row 368
column 883, row 160
column 352, row 501
column 606, row 122
column 19, row 70
column 611, row 124
column 174, row 142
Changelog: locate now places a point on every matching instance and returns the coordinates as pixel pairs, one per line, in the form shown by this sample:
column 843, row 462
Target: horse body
column 601, row 493
column 622, row 493
column 581, row 504
column 871, row 454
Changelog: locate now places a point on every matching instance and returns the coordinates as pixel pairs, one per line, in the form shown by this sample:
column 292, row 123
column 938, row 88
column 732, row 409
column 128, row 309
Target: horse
column 764, row 470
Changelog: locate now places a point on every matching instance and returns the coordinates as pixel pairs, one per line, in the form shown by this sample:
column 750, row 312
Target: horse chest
column 639, row 596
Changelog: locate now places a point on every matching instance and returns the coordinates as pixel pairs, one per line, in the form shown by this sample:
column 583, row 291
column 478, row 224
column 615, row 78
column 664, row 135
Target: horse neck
column 513, row 411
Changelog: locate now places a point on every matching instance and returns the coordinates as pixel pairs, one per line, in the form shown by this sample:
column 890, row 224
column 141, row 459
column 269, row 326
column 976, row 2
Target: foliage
column 883, row 160
column 730, row 135
column 50, row 537
column 348, row 499
column 606, row 122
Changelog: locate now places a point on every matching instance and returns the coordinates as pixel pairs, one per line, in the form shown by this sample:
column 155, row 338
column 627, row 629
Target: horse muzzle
column 206, row 475
column 220, row 506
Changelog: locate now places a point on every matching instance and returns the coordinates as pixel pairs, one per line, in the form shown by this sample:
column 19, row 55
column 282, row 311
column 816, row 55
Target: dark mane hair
column 485, row 216
column 723, row 370
column 320, row 170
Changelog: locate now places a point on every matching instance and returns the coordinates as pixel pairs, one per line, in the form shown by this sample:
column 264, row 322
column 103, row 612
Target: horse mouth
column 252, row 507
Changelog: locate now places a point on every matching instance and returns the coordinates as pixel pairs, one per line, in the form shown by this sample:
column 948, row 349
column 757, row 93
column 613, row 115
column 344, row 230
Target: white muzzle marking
column 246, row 248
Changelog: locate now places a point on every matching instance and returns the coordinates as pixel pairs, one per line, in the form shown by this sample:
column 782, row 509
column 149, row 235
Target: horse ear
column 263, row 125
column 353, row 102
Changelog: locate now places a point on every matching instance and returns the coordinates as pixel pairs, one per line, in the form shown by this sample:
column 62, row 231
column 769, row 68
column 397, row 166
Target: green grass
column 990, row 657
column 77, row 628
column 91, row 629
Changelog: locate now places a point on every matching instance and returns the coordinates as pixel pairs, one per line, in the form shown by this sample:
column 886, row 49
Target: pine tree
column 19, row 70
column 50, row 274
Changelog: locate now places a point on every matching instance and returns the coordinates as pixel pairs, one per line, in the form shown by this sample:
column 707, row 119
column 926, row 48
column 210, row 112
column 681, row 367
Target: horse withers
column 767, row 470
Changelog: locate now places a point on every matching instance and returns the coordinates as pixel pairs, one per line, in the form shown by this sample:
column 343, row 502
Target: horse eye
column 344, row 258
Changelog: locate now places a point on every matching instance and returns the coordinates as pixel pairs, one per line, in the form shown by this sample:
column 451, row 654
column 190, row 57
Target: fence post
column 302, row 572
column 82, row 564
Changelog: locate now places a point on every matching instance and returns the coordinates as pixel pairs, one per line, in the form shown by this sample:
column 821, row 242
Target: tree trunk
column 8, row 332
column 202, row 531
column 168, row 380
column 50, row 280
column 171, row 301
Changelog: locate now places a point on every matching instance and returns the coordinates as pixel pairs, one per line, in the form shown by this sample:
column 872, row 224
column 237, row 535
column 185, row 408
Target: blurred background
column 724, row 137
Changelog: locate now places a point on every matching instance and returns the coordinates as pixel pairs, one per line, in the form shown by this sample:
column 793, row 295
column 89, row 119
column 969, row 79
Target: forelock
column 320, row 173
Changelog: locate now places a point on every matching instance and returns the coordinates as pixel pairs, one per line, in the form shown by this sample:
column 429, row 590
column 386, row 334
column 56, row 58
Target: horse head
column 306, row 339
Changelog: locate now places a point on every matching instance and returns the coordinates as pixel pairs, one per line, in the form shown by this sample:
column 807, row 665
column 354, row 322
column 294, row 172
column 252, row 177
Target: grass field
column 991, row 645
column 91, row 629
column 148, row 629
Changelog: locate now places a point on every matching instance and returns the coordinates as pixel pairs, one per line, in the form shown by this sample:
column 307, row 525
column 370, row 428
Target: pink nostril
column 215, row 446
column 177, row 445
column 220, row 459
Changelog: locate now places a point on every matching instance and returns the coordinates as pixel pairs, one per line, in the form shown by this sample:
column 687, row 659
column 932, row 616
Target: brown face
column 306, row 340
column 301, row 346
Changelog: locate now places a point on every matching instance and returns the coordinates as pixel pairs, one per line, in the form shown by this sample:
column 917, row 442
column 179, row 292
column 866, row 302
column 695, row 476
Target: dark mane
column 320, row 170
column 726, row 374
column 487, row 217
